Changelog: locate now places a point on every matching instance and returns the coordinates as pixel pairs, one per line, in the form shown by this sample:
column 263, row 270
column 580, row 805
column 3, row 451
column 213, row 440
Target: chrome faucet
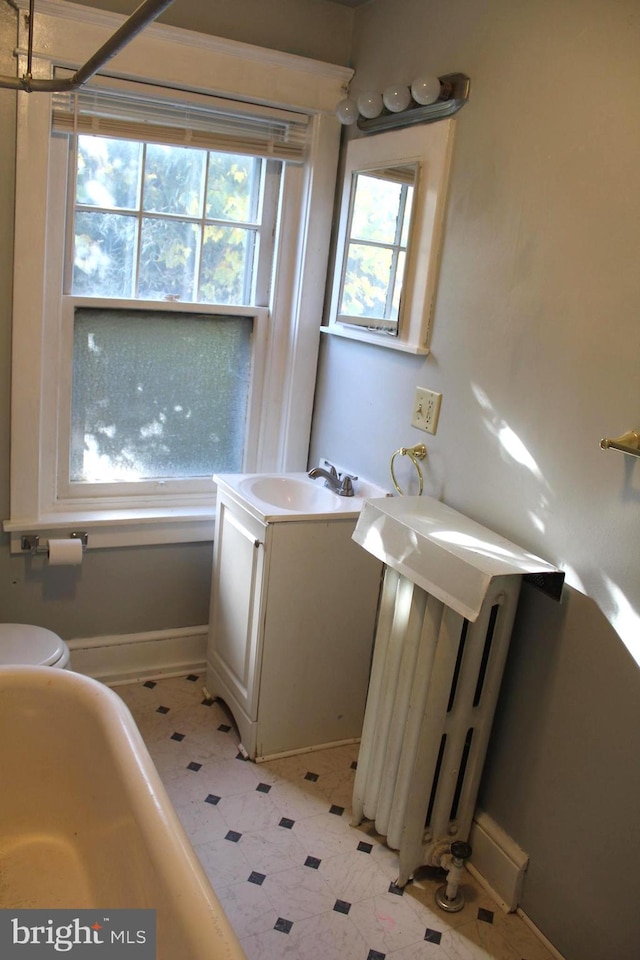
column 342, row 483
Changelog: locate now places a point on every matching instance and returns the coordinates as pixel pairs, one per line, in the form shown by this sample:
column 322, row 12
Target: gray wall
column 154, row 588
column 534, row 348
column 309, row 28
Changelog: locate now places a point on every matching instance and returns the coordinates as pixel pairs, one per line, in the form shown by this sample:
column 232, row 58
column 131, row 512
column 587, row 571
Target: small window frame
column 429, row 146
column 396, row 247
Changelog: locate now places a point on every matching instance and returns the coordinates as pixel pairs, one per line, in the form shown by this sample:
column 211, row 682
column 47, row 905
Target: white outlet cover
column 426, row 409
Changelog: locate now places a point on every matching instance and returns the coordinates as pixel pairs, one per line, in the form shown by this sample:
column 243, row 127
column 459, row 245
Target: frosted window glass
column 158, row 395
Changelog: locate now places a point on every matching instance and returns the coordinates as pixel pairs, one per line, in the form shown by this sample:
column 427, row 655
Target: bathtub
column 85, row 821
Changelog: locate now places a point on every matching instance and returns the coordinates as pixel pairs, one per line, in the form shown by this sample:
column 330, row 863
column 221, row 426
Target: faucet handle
column 346, row 484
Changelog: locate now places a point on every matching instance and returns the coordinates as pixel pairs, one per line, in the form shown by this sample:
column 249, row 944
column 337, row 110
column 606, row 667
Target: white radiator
column 433, row 690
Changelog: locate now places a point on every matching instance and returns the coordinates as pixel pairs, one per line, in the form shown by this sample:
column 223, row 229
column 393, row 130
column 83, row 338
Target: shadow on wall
column 562, row 776
column 527, row 688
column 612, row 600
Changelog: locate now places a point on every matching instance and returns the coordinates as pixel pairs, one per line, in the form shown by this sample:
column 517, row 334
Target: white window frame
column 288, row 328
column 429, row 146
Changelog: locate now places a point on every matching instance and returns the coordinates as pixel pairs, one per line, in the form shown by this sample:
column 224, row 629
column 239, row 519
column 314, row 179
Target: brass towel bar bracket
column 628, row 443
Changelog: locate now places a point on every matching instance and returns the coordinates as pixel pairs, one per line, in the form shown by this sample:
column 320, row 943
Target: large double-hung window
column 172, row 233
column 169, row 251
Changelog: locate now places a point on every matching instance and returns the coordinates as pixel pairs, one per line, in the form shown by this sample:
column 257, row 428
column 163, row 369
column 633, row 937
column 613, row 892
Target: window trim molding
column 69, row 34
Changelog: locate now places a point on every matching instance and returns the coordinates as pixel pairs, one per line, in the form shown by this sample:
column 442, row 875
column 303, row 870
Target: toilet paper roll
column 65, row 553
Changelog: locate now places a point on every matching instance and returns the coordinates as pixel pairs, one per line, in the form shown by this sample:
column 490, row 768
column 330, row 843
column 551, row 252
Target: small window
column 376, row 249
column 389, row 236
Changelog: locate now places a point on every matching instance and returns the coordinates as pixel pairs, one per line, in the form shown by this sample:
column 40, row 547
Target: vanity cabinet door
column 236, row 610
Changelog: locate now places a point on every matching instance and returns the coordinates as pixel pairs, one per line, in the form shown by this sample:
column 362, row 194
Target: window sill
column 378, row 339
column 119, row 528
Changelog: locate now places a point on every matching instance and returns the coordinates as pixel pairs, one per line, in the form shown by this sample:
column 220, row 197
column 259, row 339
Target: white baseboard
column 497, row 862
column 500, row 865
column 141, row 656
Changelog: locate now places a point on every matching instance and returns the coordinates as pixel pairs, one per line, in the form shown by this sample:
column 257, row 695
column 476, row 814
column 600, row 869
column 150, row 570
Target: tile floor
column 296, row 881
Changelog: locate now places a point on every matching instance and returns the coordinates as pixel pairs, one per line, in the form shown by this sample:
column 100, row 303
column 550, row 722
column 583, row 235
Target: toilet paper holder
column 33, row 544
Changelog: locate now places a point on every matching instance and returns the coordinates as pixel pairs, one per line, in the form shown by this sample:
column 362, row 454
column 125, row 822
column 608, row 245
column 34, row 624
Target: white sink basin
column 291, row 493
column 293, row 496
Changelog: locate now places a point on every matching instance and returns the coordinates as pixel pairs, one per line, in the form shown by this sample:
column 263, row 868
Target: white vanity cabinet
column 293, row 612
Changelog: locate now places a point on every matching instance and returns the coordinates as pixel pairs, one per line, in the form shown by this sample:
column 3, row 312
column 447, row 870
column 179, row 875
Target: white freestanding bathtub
column 85, row 821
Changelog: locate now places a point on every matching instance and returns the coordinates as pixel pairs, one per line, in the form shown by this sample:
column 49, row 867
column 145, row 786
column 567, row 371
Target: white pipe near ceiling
column 148, row 11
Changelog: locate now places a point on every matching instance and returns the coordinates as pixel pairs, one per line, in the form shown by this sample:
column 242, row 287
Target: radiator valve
column 449, row 896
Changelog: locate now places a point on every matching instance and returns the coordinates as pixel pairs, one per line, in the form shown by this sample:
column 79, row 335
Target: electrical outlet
column 426, row 409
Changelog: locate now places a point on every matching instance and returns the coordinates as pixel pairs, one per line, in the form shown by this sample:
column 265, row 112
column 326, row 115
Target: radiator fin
column 456, row 672
column 485, row 653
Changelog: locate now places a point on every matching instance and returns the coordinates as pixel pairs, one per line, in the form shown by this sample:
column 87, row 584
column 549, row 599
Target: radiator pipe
column 449, row 897
column 139, row 19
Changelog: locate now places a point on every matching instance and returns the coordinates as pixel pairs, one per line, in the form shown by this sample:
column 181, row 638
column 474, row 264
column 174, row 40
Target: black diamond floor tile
column 432, row 936
column 341, row 906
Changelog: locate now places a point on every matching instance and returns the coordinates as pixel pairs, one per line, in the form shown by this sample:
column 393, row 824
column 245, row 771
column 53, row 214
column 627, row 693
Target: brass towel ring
column 416, row 453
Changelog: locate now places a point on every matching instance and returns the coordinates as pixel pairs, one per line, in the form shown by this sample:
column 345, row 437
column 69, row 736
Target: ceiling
column 351, row 3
